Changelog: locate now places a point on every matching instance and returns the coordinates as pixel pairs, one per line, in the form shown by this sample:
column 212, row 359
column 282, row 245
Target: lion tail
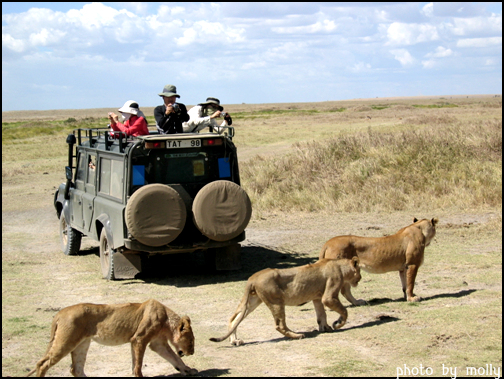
column 239, row 314
column 54, row 326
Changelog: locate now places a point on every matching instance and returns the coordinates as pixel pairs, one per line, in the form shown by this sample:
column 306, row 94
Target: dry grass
column 444, row 164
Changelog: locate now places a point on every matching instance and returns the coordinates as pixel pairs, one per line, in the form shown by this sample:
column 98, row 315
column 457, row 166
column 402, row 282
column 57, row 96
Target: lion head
column 428, row 228
column 184, row 340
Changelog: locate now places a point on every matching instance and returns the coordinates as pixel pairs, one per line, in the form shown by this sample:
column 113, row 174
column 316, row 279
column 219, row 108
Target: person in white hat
column 135, row 123
column 204, row 114
column 170, row 116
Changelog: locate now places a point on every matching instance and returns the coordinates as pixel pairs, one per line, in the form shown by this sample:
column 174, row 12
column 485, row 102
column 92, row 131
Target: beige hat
column 212, row 100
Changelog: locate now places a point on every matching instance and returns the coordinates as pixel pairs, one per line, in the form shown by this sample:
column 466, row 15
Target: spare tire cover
column 155, row 214
column 221, row 210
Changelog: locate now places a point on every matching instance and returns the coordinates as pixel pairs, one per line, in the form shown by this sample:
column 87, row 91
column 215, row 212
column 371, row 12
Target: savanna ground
column 313, row 171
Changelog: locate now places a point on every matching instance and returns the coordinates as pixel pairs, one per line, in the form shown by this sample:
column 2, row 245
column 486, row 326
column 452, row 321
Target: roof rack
column 102, row 135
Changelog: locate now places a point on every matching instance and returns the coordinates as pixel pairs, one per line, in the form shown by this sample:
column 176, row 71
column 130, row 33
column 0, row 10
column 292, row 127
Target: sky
column 99, row 55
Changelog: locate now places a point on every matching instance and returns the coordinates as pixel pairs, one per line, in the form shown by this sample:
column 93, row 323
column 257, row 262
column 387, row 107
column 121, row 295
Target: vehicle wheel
column 106, row 257
column 70, row 238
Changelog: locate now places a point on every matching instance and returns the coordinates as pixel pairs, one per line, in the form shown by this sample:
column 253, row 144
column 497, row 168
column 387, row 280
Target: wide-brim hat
column 169, row 90
column 131, row 106
column 212, row 100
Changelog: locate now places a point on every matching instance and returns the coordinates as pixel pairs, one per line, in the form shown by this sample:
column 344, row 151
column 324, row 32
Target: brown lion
column 319, row 282
column 150, row 322
column 403, row 252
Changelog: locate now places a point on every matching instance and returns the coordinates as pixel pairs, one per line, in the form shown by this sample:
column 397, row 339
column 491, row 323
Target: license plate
column 182, row 143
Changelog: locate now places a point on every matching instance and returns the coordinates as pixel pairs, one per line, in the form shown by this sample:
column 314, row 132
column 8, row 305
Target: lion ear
column 415, row 220
column 355, row 262
column 434, row 221
column 185, row 323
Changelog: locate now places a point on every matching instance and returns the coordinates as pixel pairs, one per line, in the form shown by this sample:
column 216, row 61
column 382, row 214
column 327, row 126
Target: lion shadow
column 384, row 300
column 205, row 373
column 381, row 319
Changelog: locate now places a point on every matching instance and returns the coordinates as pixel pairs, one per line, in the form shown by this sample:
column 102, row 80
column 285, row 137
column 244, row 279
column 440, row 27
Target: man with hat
column 204, row 114
column 170, row 116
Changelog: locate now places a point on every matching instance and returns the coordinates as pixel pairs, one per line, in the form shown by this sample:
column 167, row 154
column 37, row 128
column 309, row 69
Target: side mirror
column 68, row 173
column 71, row 140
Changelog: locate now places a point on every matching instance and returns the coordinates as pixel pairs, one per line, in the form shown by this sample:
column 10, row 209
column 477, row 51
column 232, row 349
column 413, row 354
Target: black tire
column 70, row 238
column 106, row 257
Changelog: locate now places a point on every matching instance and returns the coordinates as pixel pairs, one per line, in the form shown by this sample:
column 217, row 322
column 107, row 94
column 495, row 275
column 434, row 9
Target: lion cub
column 403, row 252
column 319, row 282
column 150, row 322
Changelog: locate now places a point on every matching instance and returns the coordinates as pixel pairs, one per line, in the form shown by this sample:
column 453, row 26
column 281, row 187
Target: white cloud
column 253, row 65
column 213, row 33
column 440, row 52
column 428, row 64
column 325, row 26
column 479, row 42
column 360, row 67
column 95, row 15
column 409, row 34
column 403, row 56
column 428, row 9
column 11, row 43
column 46, row 37
column 477, row 25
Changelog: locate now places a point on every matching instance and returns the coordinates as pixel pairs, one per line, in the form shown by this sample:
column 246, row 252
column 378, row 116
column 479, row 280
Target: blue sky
column 99, row 55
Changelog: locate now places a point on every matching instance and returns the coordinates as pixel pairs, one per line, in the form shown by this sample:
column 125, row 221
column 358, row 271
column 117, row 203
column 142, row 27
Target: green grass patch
column 441, row 105
column 18, row 326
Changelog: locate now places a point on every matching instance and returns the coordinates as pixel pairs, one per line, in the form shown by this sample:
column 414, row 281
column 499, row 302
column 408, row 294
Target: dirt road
column 38, row 280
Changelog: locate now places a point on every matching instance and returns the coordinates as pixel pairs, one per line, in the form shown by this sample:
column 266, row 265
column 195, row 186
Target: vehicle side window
column 81, row 171
column 91, row 169
column 111, row 177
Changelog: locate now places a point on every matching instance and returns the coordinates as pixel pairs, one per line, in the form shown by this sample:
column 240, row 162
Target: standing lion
column 403, row 252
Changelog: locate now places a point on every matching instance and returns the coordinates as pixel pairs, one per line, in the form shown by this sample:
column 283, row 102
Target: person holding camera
column 170, row 116
column 135, row 123
column 205, row 114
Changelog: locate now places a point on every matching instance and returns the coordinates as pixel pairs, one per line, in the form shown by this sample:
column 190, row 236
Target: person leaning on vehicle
column 135, row 123
column 170, row 116
column 204, row 114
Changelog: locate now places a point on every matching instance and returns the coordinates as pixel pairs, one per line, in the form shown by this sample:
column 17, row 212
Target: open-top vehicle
column 153, row 194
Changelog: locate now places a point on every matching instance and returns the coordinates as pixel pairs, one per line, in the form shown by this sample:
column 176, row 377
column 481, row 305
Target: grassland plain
column 293, row 157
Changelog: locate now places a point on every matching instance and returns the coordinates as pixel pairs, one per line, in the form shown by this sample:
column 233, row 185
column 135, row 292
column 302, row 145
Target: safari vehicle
column 154, row 194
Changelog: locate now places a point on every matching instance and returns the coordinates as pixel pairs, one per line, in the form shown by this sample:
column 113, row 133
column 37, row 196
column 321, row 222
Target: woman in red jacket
column 135, row 123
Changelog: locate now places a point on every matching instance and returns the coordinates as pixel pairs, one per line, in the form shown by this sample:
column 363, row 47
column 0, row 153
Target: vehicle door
column 89, row 191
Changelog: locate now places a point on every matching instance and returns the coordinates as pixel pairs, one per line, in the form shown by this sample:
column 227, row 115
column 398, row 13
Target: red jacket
column 134, row 126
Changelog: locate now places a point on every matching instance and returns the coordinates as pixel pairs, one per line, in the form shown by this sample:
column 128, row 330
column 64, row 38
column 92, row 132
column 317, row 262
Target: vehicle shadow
column 194, row 269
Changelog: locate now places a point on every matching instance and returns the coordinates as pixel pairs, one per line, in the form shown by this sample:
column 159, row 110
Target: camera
column 223, row 114
column 176, row 107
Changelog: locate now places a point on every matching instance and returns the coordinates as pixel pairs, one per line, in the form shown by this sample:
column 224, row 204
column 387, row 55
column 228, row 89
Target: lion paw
column 237, row 342
column 325, row 328
column 189, row 371
column 415, row 298
column 296, row 336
